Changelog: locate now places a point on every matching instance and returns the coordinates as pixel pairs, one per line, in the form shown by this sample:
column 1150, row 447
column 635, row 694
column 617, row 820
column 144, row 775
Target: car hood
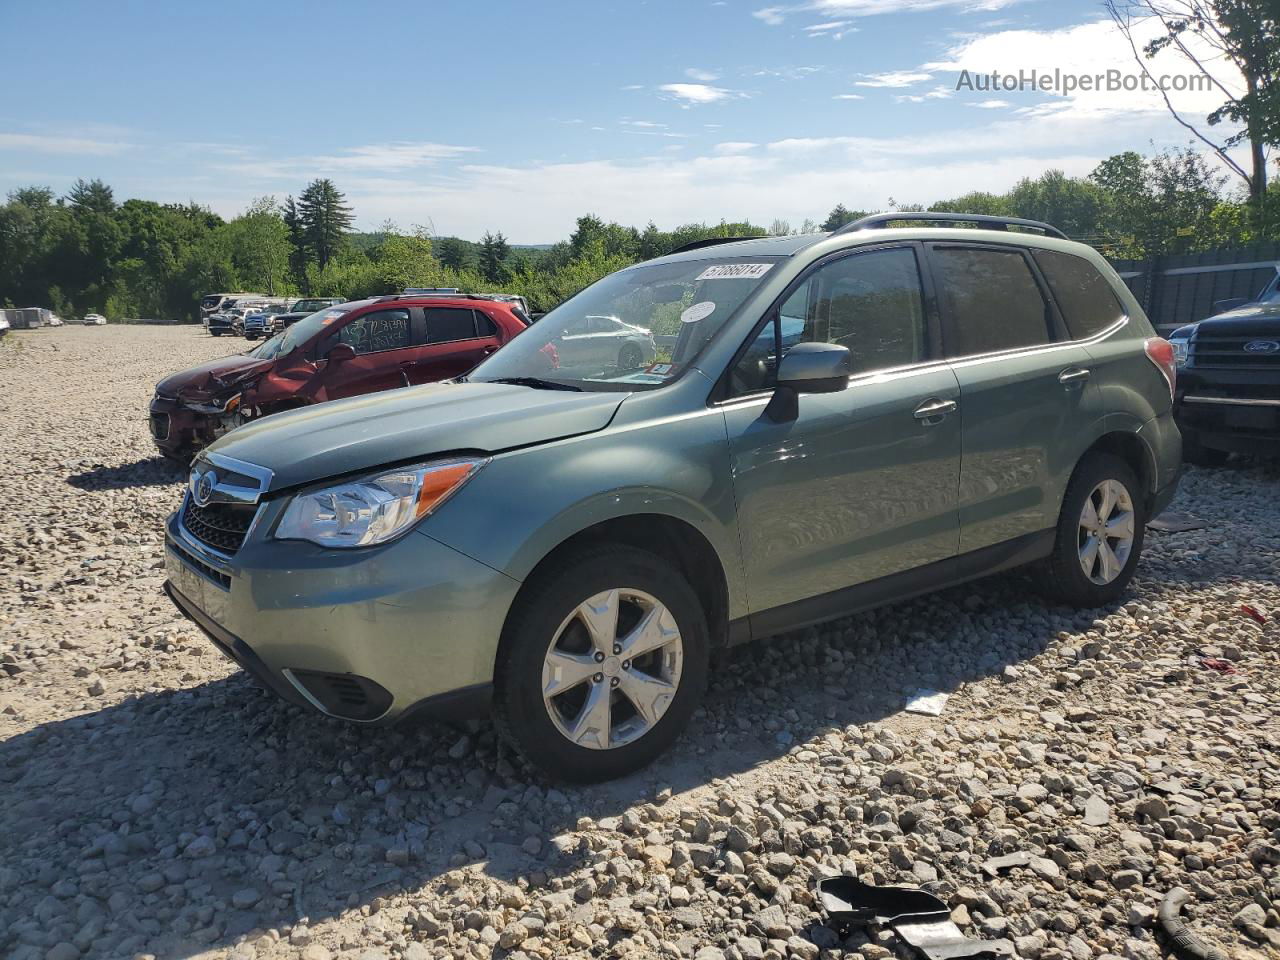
column 394, row 426
column 212, row 378
column 1252, row 319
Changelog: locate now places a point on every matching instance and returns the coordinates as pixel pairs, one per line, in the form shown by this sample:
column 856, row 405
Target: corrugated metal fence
column 1181, row 289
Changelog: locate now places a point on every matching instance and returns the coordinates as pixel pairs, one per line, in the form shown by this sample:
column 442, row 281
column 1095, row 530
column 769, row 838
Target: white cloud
column 392, row 156
column 826, row 27
column 697, row 92
column 894, row 78
column 1087, row 50
column 369, row 158
column 990, row 104
column 40, row 143
column 702, row 76
column 787, row 73
column 647, row 124
column 734, row 146
column 848, row 96
column 870, row 8
column 937, row 93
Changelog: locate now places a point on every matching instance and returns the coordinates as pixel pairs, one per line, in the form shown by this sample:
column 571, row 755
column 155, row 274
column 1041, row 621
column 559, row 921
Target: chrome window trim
column 1040, row 348
column 1232, row 401
column 954, row 361
column 855, row 380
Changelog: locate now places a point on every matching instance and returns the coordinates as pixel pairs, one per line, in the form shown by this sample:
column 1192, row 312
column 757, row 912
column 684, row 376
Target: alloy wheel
column 612, row 669
column 1106, row 532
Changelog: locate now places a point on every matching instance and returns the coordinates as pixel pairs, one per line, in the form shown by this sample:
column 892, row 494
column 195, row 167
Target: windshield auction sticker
column 735, row 271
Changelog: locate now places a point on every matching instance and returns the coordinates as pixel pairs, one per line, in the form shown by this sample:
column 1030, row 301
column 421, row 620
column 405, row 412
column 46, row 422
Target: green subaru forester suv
column 566, row 535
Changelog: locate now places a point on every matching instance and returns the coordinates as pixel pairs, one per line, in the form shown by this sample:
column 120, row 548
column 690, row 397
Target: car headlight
column 372, row 510
column 1179, row 351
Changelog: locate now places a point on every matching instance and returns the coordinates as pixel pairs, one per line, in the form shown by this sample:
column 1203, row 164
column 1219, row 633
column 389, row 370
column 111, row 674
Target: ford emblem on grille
column 202, row 490
column 1262, row 346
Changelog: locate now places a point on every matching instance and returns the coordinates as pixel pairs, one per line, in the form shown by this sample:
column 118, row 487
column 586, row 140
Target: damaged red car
column 342, row 351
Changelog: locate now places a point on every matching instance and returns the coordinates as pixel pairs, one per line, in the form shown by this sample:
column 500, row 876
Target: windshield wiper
column 536, row 382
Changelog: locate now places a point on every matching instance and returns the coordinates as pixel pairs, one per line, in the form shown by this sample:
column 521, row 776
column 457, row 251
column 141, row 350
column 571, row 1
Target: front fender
column 527, row 502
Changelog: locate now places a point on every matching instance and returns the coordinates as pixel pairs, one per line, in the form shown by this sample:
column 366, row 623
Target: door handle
column 489, row 350
column 406, row 364
column 1073, row 375
column 934, row 409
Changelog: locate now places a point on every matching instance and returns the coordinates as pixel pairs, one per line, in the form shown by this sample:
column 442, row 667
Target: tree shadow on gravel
column 142, row 827
column 149, row 472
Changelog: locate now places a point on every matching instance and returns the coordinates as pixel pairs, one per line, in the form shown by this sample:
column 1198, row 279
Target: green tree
column 298, row 257
column 494, row 249
column 455, row 253
column 325, row 219
column 1215, row 37
column 838, row 217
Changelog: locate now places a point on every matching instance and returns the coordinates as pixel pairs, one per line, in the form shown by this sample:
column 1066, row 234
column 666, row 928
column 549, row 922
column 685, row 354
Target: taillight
column 1160, row 352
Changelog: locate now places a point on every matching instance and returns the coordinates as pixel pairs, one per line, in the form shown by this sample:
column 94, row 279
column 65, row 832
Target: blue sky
column 466, row 117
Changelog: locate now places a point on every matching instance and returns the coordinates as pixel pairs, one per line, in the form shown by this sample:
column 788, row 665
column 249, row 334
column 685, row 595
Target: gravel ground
column 155, row 803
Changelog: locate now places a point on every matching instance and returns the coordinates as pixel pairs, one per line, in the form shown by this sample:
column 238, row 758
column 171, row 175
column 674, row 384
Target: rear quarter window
column 1084, row 296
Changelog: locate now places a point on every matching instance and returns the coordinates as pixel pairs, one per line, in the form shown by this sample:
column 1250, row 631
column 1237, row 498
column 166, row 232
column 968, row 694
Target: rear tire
column 560, row 629
column 1093, row 533
column 630, row 357
column 215, row 333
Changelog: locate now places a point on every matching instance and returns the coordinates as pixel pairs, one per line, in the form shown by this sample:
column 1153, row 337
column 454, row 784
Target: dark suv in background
column 1229, row 380
column 343, row 351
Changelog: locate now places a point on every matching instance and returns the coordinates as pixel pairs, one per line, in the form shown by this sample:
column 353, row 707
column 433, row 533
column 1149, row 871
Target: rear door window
column 447, row 324
column 1084, row 296
column 994, row 301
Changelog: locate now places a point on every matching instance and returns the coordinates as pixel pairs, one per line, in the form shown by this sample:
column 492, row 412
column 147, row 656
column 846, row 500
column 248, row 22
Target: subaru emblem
column 202, row 489
column 1262, row 346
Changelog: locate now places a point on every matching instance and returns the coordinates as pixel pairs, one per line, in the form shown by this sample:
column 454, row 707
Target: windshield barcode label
column 735, row 271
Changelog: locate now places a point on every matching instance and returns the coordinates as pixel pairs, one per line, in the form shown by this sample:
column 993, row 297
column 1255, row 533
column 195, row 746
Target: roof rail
column 981, row 219
column 708, row 242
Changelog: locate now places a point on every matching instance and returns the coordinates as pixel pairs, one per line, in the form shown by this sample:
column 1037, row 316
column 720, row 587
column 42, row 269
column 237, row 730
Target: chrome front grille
column 1233, row 353
column 221, row 526
column 223, row 498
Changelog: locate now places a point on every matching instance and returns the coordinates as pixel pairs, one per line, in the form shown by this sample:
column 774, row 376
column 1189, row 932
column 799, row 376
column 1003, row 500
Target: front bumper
column 1235, row 423
column 365, row 635
column 178, row 431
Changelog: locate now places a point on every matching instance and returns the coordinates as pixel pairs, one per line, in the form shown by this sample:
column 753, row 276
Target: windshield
column 636, row 329
column 1272, row 293
column 309, row 306
column 308, row 327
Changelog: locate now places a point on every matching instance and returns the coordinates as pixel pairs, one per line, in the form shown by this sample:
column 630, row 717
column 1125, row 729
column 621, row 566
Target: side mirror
column 808, row 368
column 1222, row 306
column 341, row 353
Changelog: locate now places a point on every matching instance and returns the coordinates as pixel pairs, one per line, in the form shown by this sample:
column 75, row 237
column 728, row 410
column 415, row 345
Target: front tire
column 602, row 662
column 1099, row 535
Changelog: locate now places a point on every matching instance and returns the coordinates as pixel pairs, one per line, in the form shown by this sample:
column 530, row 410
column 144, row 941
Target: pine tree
column 297, row 244
column 494, row 249
column 325, row 219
